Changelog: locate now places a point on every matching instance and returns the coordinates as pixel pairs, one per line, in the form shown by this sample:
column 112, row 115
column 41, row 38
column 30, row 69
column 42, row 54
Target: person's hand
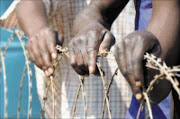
column 84, row 47
column 129, row 54
column 41, row 49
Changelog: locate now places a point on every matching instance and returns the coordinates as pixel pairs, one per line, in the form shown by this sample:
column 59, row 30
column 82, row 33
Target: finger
column 38, row 60
column 135, row 85
column 137, row 92
column 81, row 63
column 92, row 48
column 120, row 57
column 92, row 56
column 130, row 60
column 73, row 62
column 107, row 42
column 29, row 49
column 59, row 39
column 44, row 53
column 51, row 44
column 137, row 64
column 46, row 57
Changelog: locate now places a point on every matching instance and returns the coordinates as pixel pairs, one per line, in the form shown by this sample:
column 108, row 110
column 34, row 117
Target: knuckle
column 34, row 41
column 40, row 37
column 46, row 57
column 91, row 52
column 79, row 40
column 44, row 68
column 47, row 64
column 72, row 43
column 127, row 42
column 126, row 73
column 92, row 33
column 129, row 69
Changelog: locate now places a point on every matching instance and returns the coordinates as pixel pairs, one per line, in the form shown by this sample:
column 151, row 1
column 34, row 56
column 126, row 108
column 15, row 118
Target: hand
column 41, row 48
column 84, row 47
column 129, row 54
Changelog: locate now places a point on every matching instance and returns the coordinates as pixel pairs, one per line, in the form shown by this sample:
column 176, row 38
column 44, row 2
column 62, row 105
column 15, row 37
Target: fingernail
column 46, row 73
column 138, row 83
column 50, row 70
column 54, row 56
column 91, row 70
column 138, row 96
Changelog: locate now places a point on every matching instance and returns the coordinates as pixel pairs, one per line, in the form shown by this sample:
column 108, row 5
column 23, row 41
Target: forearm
column 31, row 16
column 102, row 11
column 164, row 24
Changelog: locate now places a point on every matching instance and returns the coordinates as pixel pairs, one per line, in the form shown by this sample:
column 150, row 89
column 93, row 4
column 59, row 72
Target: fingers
column 134, row 79
column 124, row 58
column 42, row 50
column 121, row 57
column 36, row 54
column 93, row 45
column 59, row 39
column 51, row 44
column 83, row 55
column 138, row 70
column 92, row 55
column 78, row 64
column 86, row 46
column 107, row 42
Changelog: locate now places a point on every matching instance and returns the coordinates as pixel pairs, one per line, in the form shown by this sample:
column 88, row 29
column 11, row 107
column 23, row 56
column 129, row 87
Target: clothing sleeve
column 9, row 19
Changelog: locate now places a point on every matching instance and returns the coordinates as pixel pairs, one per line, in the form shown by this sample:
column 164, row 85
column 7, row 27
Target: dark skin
column 161, row 38
column 92, row 35
column 32, row 18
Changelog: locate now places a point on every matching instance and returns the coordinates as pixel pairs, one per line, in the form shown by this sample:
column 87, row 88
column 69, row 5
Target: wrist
column 32, row 26
column 89, row 15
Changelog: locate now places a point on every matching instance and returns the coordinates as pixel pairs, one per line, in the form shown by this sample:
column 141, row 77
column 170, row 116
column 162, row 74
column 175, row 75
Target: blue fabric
column 143, row 14
column 4, row 4
column 14, row 62
column 160, row 111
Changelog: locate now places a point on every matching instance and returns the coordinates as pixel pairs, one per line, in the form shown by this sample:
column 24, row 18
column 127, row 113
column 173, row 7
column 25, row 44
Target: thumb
column 59, row 39
column 107, row 42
